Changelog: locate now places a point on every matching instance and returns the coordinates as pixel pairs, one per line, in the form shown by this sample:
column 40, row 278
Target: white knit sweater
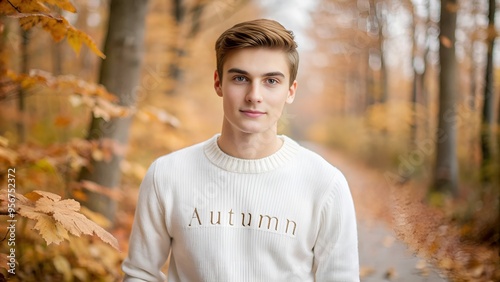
column 287, row 217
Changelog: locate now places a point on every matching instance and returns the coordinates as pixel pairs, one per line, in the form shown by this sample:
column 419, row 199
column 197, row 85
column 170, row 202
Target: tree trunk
column 488, row 143
column 57, row 58
column 21, row 124
column 446, row 167
column 183, row 37
column 417, row 75
column 382, row 21
column 120, row 73
column 178, row 11
column 420, row 53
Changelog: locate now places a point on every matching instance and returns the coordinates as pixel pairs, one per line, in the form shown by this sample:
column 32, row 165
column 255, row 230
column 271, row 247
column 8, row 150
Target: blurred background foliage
column 369, row 86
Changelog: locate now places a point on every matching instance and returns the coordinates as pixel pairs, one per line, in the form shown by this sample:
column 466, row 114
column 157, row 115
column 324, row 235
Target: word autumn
column 263, row 221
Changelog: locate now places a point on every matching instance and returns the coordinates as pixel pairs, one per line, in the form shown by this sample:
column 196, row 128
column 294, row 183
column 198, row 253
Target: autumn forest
column 402, row 96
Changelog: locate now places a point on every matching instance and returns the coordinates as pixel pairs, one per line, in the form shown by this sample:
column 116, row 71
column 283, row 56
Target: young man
column 248, row 204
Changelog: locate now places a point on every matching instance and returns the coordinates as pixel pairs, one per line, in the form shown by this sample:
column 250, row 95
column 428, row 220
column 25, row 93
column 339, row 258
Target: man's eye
column 272, row 81
column 239, row 78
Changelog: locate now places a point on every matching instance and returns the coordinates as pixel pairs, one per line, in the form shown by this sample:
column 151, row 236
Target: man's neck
column 249, row 146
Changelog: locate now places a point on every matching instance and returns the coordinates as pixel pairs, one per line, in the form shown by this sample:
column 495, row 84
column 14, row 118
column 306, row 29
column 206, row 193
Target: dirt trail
column 382, row 256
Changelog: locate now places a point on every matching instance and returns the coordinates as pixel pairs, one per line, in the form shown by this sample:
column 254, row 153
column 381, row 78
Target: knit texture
column 287, row 217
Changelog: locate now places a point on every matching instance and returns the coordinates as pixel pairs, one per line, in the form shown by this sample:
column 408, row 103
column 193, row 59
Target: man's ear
column 217, row 84
column 291, row 92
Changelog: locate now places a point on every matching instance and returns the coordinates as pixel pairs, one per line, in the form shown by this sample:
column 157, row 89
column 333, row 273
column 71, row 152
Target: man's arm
column 149, row 244
column 336, row 249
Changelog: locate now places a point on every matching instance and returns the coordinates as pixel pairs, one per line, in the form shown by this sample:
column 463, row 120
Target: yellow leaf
column 29, row 212
column 81, row 274
column 75, row 42
column 445, row 263
column 33, row 196
column 89, row 94
column 65, row 213
column 77, row 37
column 446, row 42
column 50, row 230
column 51, row 196
column 97, row 155
column 21, row 6
column 55, row 218
column 45, row 165
column 62, row 121
column 8, row 155
column 79, row 195
column 4, row 142
column 56, row 26
column 59, row 28
column 63, row 266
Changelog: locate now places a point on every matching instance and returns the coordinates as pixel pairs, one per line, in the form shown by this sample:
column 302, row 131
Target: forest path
column 383, row 257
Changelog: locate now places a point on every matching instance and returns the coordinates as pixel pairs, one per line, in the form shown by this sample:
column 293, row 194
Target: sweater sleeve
column 336, row 248
column 149, row 244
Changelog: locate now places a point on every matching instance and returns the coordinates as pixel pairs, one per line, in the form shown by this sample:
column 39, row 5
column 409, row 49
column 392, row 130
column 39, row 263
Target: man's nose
column 254, row 94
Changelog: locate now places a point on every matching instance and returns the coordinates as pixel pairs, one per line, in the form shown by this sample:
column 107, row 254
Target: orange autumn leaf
column 50, row 230
column 22, row 6
column 61, row 83
column 8, row 156
column 55, row 218
column 56, row 26
column 77, row 37
column 62, row 121
column 446, row 42
column 59, row 28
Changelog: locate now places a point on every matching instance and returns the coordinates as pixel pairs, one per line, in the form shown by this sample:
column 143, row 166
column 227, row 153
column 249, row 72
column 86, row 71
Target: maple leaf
column 55, row 218
column 39, row 194
column 50, row 230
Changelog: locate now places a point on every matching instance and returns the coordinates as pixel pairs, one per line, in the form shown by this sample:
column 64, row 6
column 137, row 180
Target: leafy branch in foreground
column 95, row 96
column 33, row 12
column 56, row 218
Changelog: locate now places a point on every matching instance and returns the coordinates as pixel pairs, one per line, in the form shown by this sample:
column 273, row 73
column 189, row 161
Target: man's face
column 255, row 88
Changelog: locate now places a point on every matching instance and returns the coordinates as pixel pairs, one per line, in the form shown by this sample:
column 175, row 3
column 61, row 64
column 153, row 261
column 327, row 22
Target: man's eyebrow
column 236, row 70
column 240, row 71
column 274, row 73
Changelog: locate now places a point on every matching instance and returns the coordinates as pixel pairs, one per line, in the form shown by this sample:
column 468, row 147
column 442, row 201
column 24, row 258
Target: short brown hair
column 258, row 33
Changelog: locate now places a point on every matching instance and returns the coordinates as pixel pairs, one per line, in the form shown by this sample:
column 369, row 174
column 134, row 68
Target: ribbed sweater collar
column 224, row 161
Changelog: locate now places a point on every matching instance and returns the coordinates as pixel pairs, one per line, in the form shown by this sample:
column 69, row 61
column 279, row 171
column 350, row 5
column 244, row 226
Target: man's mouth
column 252, row 113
